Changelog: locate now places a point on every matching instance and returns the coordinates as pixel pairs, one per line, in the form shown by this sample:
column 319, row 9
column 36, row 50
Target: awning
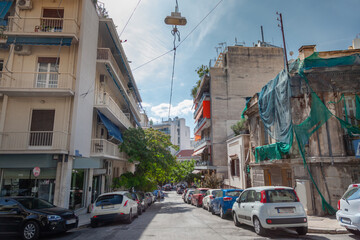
column 113, row 130
column 198, row 152
column 39, row 41
column 196, row 171
column 4, row 7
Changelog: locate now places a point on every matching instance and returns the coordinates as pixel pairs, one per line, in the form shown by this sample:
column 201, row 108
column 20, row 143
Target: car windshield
column 111, row 199
column 215, row 192
column 233, row 193
column 352, row 193
column 203, row 191
column 281, row 195
column 34, row 203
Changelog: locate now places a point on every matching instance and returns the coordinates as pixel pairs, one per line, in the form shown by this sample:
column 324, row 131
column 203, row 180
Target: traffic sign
column 36, row 171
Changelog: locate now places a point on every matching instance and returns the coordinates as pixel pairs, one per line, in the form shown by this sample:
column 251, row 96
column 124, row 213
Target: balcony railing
column 203, row 163
column 37, row 80
column 103, row 99
column 200, row 103
column 200, row 142
column 105, row 54
column 104, row 148
column 199, row 124
column 33, row 140
column 55, row 26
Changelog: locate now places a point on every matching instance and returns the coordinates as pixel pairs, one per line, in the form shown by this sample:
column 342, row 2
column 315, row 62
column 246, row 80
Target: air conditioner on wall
column 24, row 4
column 24, row 50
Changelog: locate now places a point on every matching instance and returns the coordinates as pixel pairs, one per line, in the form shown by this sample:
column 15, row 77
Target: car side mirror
column 238, row 200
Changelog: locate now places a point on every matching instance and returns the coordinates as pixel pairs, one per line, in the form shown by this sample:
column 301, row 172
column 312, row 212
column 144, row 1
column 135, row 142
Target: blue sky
column 330, row 24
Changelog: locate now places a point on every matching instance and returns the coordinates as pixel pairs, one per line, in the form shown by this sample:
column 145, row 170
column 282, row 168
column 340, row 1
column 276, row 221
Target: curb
column 83, row 226
column 327, row 231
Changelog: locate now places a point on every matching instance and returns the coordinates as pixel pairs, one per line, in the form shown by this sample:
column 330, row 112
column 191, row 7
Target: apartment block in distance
column 66, row 95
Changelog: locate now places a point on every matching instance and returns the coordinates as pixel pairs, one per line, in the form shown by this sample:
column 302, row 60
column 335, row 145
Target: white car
column 187, row 198
column 113, row 206
column 270, row 208
column 348, row 213
column 209, row 196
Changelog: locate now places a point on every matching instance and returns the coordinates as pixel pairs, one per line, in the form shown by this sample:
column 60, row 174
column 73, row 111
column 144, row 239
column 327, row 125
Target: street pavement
column 172, row 219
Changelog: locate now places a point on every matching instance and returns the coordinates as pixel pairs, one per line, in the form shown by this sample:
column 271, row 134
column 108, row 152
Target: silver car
column 209, row 196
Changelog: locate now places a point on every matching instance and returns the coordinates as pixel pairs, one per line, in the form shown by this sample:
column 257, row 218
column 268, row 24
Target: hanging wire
column 130, row 18
column 175, row 32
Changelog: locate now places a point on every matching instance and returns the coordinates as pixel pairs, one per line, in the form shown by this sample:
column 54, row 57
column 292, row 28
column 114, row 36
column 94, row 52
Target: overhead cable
column 130, row 18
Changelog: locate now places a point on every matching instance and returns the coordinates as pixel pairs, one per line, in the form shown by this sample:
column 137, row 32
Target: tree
column 240, row 127
column 212, row 181
column 201, row 71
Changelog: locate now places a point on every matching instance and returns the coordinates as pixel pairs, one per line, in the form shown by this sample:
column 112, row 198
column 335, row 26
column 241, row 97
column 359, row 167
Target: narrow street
column 173, row 219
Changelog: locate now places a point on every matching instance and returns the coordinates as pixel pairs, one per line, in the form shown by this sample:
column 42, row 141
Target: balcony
column 107, row 106
column 45, row 27
column 202, row 124
column 201, row 143
column 105, row 149
column 206, row 96
column 37, row 84
column 104, row 55
column 203, row 165
column 34, row 142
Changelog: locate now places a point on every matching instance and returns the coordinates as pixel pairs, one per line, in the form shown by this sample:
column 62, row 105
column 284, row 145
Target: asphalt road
column 172, row 219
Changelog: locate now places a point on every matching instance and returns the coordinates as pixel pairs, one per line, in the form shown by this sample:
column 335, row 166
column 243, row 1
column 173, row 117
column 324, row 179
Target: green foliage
column 201, row 71
column 155, row 164
column 182, row 171
column 212, row 181
column 240, row 126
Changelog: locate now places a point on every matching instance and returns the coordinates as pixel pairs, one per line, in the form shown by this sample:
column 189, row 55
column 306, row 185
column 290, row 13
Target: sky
column 330, row 24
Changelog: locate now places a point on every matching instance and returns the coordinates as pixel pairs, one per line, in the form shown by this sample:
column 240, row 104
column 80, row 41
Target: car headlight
column 53, row 217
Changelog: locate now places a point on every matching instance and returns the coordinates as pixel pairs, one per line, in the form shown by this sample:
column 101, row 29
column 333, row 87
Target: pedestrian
column 159, row 195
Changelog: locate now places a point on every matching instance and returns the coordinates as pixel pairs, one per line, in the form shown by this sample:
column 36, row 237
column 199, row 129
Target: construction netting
column 275, row 113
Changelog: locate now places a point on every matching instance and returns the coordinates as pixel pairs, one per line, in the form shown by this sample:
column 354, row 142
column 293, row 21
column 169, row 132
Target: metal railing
column 104, row 99
column 203, row 140
column 105, row 54
column 200, row 103
column 203, row 163
column 43, row 25
column 199, row 124
column 33, row 80
column 49, row 140
column 102, row 147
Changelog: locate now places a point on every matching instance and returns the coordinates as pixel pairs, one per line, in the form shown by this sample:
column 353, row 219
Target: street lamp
column 175, row 18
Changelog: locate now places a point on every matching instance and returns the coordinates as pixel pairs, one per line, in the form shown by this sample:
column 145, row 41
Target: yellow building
column 66, row 94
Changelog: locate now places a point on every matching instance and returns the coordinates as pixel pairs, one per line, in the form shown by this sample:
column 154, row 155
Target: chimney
column 306, row 50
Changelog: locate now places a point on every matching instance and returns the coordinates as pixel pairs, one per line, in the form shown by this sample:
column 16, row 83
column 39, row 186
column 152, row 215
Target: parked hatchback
column 30, row 216
column 224, row 200
column 208, row 198
column 270, row 208
column 348, row 213
column 113, row 206
column 197, row 197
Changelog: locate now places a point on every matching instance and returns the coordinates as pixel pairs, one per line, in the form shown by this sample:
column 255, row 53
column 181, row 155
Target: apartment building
column 238, row 73
column 66, row 94
column 321, row 160
column 178, row 131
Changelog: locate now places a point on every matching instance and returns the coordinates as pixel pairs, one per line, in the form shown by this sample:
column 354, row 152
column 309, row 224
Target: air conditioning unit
column 24, row 4
column 24, row 50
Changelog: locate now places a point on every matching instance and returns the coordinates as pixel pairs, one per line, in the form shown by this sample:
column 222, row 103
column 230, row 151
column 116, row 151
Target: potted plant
column 241, row 127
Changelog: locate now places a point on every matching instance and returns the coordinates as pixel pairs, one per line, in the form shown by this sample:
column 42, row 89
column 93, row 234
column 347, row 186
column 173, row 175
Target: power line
column 130, row 18
column 153, row 59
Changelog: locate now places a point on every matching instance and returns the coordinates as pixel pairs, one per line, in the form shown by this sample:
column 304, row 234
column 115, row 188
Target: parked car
column 113, row 206
column 197, row 197
column 139, row 205
column 184, row 194
column 224, row 200
column 270, row 208
column 30, row 216
column 142, row 198
column 188, row 195
column 348, row 213
column 208, row 198
column 153, row 198
column 149, row 198
column 162, row 195
column 167, row 187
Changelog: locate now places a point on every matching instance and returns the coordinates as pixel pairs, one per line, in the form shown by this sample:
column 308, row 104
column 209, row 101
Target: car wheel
column 302, row 230
column 353, row 231
column 209, row 208
column 30, row 230
column 94, row 224
column 139, row 211
column 236, row 221
column 222, row 214
column 259, row 230
column 130, row 218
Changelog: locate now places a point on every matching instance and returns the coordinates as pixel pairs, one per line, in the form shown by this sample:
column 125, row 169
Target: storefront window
column 21, row 182
column 96, row 188
column 77, row 189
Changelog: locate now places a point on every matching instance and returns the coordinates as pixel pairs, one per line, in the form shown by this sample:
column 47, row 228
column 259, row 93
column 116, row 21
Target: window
column 281, row 195
column 351, row 110
column 233, row 193
column 1, row 66
column 52, row 20
column 109, row 200
column 251, row 196
column 244, row 196
column 352, row 194
column 47, row 73
column 235, row 168
column 41, row 130
column 7, row 205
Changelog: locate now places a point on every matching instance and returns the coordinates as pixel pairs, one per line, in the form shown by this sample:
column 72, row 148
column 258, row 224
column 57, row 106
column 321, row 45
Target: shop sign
column 36, row 171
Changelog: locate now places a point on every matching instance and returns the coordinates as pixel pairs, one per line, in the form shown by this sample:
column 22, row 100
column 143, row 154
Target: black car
column 30, row 216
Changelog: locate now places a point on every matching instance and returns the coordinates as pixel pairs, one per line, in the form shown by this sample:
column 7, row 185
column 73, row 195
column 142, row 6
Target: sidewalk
column 84, row 220
column 326, row 225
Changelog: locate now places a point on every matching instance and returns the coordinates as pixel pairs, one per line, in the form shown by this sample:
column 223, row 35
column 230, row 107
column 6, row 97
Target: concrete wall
column 83, row 104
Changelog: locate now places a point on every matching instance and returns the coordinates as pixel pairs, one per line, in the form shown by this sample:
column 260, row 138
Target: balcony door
column 47, row 73
column 52, row 20
column 41, row 129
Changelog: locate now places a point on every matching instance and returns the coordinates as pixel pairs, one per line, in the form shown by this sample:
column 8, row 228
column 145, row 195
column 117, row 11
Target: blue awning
column 39, row 41
column 113, row 130
column 4, row 7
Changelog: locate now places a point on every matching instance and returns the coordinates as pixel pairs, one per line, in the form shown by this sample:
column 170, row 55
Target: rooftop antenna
column 262, row 34
column 222, row 44
column 217, row 50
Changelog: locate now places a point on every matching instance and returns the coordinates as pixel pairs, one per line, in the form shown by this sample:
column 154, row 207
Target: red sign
column 36, row 171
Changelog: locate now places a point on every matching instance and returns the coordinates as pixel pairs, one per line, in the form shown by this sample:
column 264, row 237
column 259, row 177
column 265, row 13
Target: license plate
column 107, row 206
column 285, row 210
column 71, row 221
column 345, row 220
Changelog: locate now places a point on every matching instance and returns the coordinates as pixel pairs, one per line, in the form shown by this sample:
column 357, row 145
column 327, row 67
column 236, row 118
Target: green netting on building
column 275, row 113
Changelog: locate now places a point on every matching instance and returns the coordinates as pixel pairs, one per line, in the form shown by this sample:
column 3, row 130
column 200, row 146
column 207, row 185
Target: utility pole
column 281, row 25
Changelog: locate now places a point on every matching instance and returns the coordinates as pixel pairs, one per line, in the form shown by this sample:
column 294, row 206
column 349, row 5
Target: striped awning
column 39, row 41
column 4, row 7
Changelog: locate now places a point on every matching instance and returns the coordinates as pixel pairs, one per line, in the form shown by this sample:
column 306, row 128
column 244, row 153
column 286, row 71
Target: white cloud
column 162, row 110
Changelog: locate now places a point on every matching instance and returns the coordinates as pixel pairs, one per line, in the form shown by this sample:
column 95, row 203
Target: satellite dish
column 291, row 53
